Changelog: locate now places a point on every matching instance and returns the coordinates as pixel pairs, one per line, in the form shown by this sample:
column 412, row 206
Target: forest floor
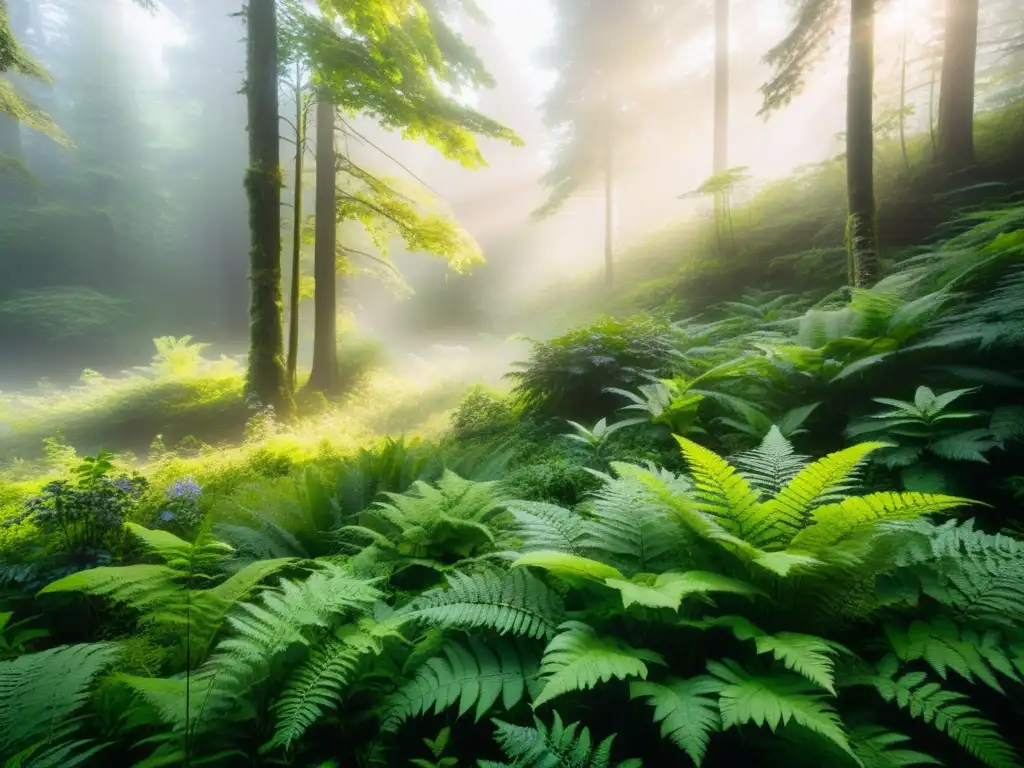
column 682, row 428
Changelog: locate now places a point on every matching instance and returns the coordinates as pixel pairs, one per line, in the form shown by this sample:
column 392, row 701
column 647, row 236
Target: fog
column 138, row 227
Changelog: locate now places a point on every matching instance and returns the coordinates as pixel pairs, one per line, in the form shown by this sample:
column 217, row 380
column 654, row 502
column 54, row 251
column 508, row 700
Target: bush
column 567, row 376
column 482, row 413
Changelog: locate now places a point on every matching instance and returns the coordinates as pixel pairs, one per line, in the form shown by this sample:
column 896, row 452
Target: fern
column 770, row 466
column 560, row 746
column 945, row 646
column 318, row 684
column 282, row 616
column 979, row 576
column 578, row 659
column 687, row 714
column 475, row 676
column 817, row 484
column 775, row 700
column 830, row 524
column 542, row 526
column 877, row 747
column 626, row 525
column 809, row 656
column 946, row 710
column 514, row 602
column 42, row 693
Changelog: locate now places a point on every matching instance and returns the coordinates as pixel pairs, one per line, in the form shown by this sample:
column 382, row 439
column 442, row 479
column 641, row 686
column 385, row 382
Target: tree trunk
column 293, row 298
column 266, row 379
column 956, row 89
column 861, row 234
column 721, row 146
column 324, row 376
column 609, row 211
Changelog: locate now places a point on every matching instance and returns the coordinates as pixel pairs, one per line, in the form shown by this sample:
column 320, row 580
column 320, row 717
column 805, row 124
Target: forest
column 548, row 384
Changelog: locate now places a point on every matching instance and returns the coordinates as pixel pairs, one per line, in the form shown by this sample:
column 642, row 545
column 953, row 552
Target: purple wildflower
column 185, row 489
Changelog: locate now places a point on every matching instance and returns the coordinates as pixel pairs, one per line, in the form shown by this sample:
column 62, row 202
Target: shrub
column 482, row 413
column 568, row 375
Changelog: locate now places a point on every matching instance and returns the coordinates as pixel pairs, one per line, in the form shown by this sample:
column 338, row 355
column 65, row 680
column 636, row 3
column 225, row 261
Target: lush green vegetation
column 700, row 524
column 784, row 544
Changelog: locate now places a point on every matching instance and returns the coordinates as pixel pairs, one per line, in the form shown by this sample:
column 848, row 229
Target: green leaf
column 807, row 655
column 669, row 589
column 578, row 659
column 565, row 564
column 687, row 714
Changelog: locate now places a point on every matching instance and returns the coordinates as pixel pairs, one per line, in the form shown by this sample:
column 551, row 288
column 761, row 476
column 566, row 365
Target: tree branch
column 397, row 162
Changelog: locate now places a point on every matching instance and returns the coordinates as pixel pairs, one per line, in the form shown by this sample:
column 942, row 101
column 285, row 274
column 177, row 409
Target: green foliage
column 561, row 746
column 41, row 696
column 61, row 312
column 928, row 425
column 569, row 375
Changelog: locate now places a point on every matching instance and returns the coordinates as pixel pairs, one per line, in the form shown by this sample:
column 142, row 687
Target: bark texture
column 266, row 375
column 956, row 89
column 861, row 232
column 324, row 376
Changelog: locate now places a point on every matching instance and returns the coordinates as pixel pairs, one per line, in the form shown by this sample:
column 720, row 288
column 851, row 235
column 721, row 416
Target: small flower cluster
column 183, row 503
column 83, row 513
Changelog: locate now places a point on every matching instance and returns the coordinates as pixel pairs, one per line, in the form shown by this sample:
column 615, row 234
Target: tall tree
column 604, row 54
column 956, row 89
column 721, row 145
column 791, row 60
column 300, row 129
column 324, row 375
column 266, row 380
column 861, row 232
column 357, row 52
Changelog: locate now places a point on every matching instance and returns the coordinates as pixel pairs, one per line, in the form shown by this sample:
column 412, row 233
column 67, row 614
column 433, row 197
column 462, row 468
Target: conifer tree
column 604, row 53
column 791, row 59
column 956, row 89
column 266, row 379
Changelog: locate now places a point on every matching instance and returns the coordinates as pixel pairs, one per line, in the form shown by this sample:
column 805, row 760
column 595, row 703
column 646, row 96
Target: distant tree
column 324, row 374
column 721, row 145
column 791, row 59
column 266, row 379
column 956, row 89
column 604, row 52
column 299, row 86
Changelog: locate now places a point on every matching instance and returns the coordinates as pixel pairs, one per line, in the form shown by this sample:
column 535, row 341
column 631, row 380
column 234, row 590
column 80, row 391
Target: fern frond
column 267, row 627
column 141, row 587
column 721, row 491
column 628, row 527
column 668, row 590
column 317, row 685
column 558, row 747
column 515, row 602
column 41, row 693
column 775, row 700
column 947, row 711
column 817, row 484
column 687, row 714
column 477, row 675
column 877, row 747
column 944, row 646
column 809, row 656
column 977, row 575
column 564, row 564
column 578, row 658
column 832, row 523
column 543, row 526
column 770, row 466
